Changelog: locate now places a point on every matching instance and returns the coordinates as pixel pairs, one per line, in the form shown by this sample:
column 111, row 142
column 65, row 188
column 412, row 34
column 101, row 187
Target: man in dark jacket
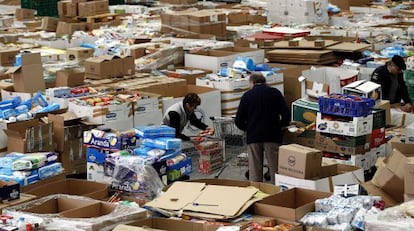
column 262, row 113
column 393, row 88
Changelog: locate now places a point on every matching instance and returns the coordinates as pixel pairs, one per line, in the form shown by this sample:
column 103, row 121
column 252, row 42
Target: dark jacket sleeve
column 284, row 112
column 197, row 123
column 241, row 115
column 404, row 91
column 175, row 123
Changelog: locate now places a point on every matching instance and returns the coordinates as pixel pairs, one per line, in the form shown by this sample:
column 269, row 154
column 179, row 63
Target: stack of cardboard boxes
column 103, row 67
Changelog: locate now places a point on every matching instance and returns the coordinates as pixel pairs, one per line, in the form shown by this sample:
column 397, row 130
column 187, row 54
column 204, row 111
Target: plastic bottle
column 21, row 224
column 24, row 116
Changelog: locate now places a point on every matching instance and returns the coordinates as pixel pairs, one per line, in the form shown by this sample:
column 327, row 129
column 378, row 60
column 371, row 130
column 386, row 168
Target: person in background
column 262, row 113
column 179, row 114
column 393, row 88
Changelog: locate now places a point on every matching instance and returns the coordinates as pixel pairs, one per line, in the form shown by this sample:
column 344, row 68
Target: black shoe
column 267, row 174
column 246, row 174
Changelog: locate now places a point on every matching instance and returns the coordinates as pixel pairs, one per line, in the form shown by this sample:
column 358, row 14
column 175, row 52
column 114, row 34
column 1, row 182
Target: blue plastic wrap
column 165, row 143
column 155, row 131
column 50, row 170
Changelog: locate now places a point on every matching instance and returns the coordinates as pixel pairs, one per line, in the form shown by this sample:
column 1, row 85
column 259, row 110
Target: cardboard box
column 256, row 54
column 72, row 187
column 330, row 176
column 409, row 178
column 290, row 205
column 102, row 114
column 30, row 136
column 69, row 78
column 378, row 118
column 342, row 144
column 49, row 24
column 187, row 73
column 335, row 78
column 385, row 104
column 79, row 53
column 263, row 187
column 8, row 56
column 363, row 88
column 378, row 137
column 92, row 8
column 376, row 191
column 28, row 78
column 210, row 60
column 67, row 9
column 128, row 65
column 66, row 28
column 9, row 191
column 390, row 183
column 109, row 66
column 299, row 161
column 305, row 111
column 401, row 154
column 73, row 157
column 343, row 5
column 77, row 211
column 355, row 126
column 24, row 14
column 66, row 127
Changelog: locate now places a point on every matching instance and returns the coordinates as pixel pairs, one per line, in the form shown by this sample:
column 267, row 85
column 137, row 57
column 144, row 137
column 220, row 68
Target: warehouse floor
column 230, row 169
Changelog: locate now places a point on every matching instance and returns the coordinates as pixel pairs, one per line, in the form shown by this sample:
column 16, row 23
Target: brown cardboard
column 66, row 127
column 29, row 136
column 28, row 78
column 98, row 68
column 401, row 154
column 79, row 53
column 67, row 9
column 69, row 186
column 329, row 143
column 128, row 65
column 299, row 161
column 31, row 58
column 168, row 224
column 376, row 191
column 58, row 205
column 24, row 14
column 385, row 104
column 359, row 2
column 92, row 8
column 137, row 52
column 43, row 182
column 73, row 156
column 263, row 187
column 409, row 178
column 8, row 56
column 66, row 28
column 389, row 183
column 90, row 211
column 292, row 87
column 49, row 24
column 290, row 205
column 343, row 5
column 69, row 78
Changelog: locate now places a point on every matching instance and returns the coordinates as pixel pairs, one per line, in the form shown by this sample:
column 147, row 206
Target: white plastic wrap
column 398, row 218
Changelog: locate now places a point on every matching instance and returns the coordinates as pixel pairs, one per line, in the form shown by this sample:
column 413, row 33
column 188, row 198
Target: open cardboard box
column 77, row 212
column 79, row 187
column 290, row 205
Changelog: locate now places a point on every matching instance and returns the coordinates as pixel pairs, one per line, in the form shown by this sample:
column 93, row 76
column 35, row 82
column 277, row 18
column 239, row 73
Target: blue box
column 182, row 168
column 115, row 141
column 96, row 155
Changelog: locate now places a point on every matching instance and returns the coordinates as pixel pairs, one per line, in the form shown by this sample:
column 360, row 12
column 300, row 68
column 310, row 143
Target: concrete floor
column 230, row 169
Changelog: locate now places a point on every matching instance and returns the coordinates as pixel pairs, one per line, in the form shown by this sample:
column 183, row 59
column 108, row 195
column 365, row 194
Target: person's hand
column 208, row 132
column 407, row 107
column 197, row 139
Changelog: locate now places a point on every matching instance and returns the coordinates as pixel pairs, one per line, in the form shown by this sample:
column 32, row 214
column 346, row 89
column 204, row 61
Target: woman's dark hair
column 257, row 78
column 192, row 99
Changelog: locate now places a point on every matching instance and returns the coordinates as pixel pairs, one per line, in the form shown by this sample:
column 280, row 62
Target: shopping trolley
column 226, row 129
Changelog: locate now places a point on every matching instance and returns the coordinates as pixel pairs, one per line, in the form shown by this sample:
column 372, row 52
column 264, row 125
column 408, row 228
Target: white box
column 409, row 134
column 214, row 59
column 359, row 126
column 363, row 161
column 95, row 172
column 120, row 124
column 363, row 88
column 102, row 114
column 334, row 77
column 148, row 118
column 350, row 175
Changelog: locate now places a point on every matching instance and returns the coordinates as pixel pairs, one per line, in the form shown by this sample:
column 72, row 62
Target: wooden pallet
column 108, row 17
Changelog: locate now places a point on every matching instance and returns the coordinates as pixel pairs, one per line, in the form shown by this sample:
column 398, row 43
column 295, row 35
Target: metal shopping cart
column 235, row 141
